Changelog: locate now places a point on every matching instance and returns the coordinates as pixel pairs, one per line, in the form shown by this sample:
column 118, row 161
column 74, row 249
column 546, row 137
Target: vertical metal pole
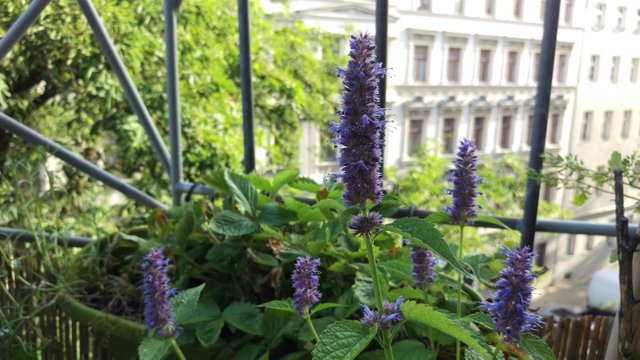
column 175, row 128
column 382, row 20
column 246, row 85
column 20, row 27
column 539, row 131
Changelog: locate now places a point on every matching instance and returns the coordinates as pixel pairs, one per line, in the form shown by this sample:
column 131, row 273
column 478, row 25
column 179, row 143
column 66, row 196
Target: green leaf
column 275, row 215
column 232, row 224
column 325, row 306
column 397, row 269
column 439, row 217
column 313, row 215
column 185, row 227
column 407, row 293
column 470, row 354
column 410, row 349
column 481, row 319
column 245, row 317
column 445, row 322
column 331, row 204
column 243, row 191
column 259, row 182
column 363, row 288
column 283, row 178
column 343, row 340
column 282, row 305
column 276, row 323
column 424, row 234
column 613, row 255
column 185, row 303
column 580, row 198
column 305, row 184
column 490, row 220
column 153, row 348
column 615, row 162
column 480, row 265
column 208, row 332
column 536, row 348
column 262, row 258
column 206, row 310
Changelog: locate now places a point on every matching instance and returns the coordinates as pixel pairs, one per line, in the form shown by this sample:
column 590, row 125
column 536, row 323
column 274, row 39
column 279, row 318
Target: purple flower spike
column 513, row 296
column 465, row 184
column 391, row 315
column 423, row 266
column 365, row 224
column 358, row 135
column 305, row 282
column 158, row 314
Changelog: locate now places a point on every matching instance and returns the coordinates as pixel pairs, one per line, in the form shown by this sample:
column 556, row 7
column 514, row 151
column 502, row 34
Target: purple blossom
column 465, row 184
column 513, row 296
column 423, row 266
column 391, row 315
column 158, row 314
column 359, row 133
column 365, row 224
column 305, row 282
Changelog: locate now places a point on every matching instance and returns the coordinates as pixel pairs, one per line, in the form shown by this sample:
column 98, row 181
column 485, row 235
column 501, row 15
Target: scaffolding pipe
column 382, row 35
column 130, row 91
column 20, row 27
column 79, row 162
column 246, row 86
column 28, row 236
column 541, row 112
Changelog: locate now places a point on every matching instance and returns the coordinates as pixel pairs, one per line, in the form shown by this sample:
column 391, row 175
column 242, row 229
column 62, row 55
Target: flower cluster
column 358, row 135
column 423, row 266
column 390, row 316
column 305, row 282
column 365, row 224
column 513, row 296
column 465, row 184
column 158, row 314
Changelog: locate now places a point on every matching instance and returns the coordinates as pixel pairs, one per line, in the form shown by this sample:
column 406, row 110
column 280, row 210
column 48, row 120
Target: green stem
column 498, row 345
column 460, row 278
column 177, row 350
column 313, row 329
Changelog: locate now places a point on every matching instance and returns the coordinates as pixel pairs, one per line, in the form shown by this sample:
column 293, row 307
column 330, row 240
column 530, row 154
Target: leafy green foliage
column 537, row 348
column 153, row 348
column 343, row 340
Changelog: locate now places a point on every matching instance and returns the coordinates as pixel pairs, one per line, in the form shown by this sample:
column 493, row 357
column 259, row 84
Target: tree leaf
column 153, row 348
column 243, row 191
column 282, row 305
column 275, row 215
column 185, row 303
column 445, row 322
column 232, row 224
column 615, row 162
column 209, row 331
column 490, row 220
column 244, row 316
column 536, row 348
column 283, row 178
column 343, row 340
column 440, row 217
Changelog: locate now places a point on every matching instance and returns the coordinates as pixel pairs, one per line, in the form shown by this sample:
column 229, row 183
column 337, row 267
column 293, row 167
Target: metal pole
column 28, row 236
column 20, row 27
column 175, row 127
column 130, row 91
column 382, row 19
column 246, row 85
column 79, row 162
column 539, row 131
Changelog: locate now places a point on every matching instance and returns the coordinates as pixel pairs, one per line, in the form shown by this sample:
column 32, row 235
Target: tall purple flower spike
column 305, row 282
column 391, row 315
column 423, row 266
column 158, row 314
column 358, row 135
column 465, row 184
column 513, row 296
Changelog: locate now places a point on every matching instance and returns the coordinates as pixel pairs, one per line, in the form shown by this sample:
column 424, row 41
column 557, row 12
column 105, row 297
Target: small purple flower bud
column 360, row 131
column 423, row 266
column 465, row 184
column 305, row 282
column 158, row 314
column 513, row 296
column 365, row 225
column 391, row 315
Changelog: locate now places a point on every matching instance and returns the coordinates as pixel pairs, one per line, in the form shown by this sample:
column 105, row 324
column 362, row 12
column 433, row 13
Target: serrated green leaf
column 262, row 258
column 343, row 340
column 490, row 220
column 439, row 217
column 397, row 269
column 276, row 323
column 536, row 348
column 244, row 316
column 209, row 331
column 313, row 215
column 403, row 349
column 282, row 305
column 185, row 227
column 206, row 310
column 331, row 204
column 260, row 183
column 325, row 306
column 407, row 293
column 481, row 319
column 243, row 191
column 283, row 178
column 470, row 354
column 445, row 322
column 185, row 303
column 232, row 224
column 153, row 348
column 363, row 288
column 275, row 215
column 479, row 264
column 424, row 234
column 305, row 184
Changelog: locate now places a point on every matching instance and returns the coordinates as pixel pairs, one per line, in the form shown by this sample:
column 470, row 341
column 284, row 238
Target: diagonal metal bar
column 173, row 94
column 382, row 35
column 79, row 162
column 246, row 86
column 28, row 236
column 130, row 91
column 20, row 27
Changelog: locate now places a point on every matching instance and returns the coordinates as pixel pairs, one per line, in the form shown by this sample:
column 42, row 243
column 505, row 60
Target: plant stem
column 460, row 278
column 313, row 329
column 177, row 350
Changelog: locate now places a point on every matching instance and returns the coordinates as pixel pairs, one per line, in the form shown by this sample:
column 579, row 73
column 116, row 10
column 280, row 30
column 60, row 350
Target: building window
column 585, row 127
column 554, row 130
column 547, row 193
column 571, row 244
column 561, row 75
column 484, row 67
column 425, row 5
column 615, row 64
column 626, row 124
column 448, row 135
column 489, row 7
column 505, row 132
column 589, row 244
column 601, row 9
column 543, row 5
column 415, row 136
column 512, row 66
column 517, row 9
column 568, row 11
column 420, row 57
column 622, row 13
column 459, row 7
column 328, row 151
column 478, row 132
column 536, row 66
column 541, row 250
column 633, row 76
column 593, row 67
column 606, row 125
column 529, row 134
column 453, row 69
